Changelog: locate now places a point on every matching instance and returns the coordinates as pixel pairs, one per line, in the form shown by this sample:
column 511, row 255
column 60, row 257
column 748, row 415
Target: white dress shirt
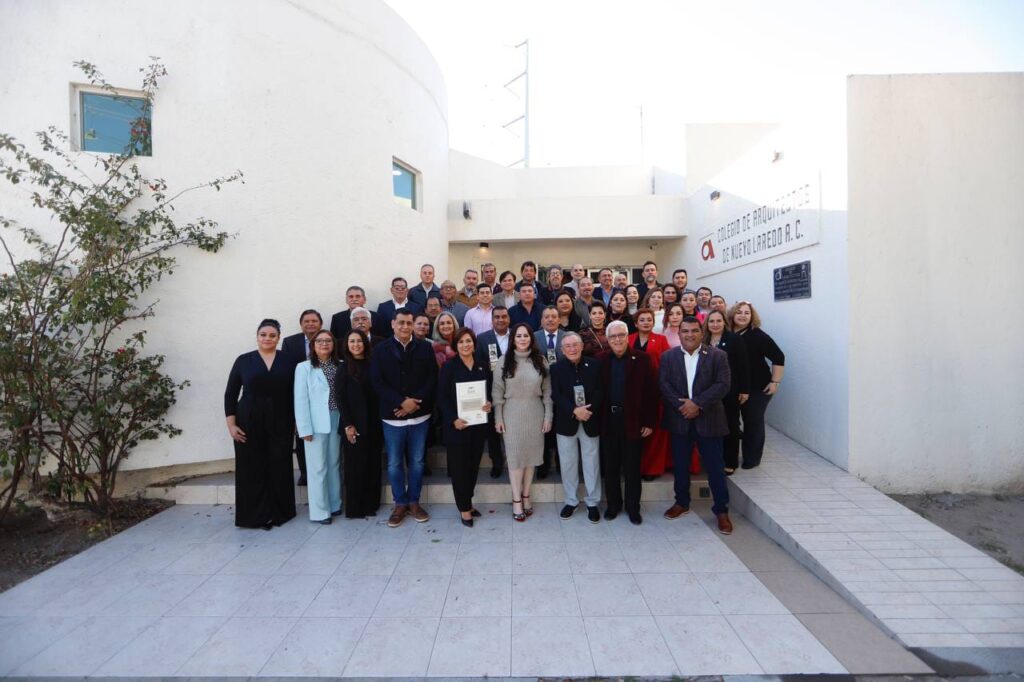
column 691, row 360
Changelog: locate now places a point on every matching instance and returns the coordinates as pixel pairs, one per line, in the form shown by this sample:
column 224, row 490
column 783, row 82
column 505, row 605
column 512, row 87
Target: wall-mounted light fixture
column 484, row 245
column 716, row 195
column 467, row 210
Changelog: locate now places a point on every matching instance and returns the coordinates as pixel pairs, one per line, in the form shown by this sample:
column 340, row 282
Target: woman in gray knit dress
column 522, row 412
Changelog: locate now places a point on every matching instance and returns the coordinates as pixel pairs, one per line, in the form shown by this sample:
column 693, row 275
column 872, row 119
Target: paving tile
column 550, row 647
column 610, row 594
column 628, row 646
column 951, row 598
column 544, row 595
column 413, row 596
column 657, row 556
column 735, row 593
column 927, row 574
column 372, row 559
column 472, row 647
column 993, row 625
column 540, row 557
column 930, row 640
column 345, row 596
column 205, row 559
column 1015, row 641
column 316, row 559
column 25, row 636
column 82, row 650
column 155, row 596
column 393, row 647
column 282, row 595
column 580, row 529
column 923, row 625
column 675, row 594
column 427, row 559
column 479, row 595
column 782, row 645
column 220, row 595
column 802, row 592
column 706, row 645
column 316, row 647
column 241, row 647
column 162, row 648
column 596, row 557
column 981, row 610
column 888, row 598
column 260, row 559
column 861, row 647
column 485, row 558
column 908, row 611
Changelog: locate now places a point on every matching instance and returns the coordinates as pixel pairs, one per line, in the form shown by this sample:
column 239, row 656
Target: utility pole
column 525, row 118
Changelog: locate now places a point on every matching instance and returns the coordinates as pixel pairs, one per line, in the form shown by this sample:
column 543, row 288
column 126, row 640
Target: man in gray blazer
column 549, row 336
column 693, row 379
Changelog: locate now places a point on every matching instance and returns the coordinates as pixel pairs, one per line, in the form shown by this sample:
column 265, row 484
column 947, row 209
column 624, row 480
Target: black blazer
column 710, row 385
column 294, row 347
column 399, row 373
column 357, row 401
column 739, row 362
column 386, row 313
column 341, row 324
column 484, row 340
column 565, row 376
column 454, row 370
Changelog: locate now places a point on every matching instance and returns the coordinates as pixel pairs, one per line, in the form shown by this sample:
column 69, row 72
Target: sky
column 615, row 82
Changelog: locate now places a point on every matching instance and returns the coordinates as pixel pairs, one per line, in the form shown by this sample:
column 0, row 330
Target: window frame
column 75, row 91
column 416, row 202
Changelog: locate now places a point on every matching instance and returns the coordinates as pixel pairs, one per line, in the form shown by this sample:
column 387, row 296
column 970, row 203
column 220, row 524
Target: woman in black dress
column 764, row 382
column 262, row 422
column 465, row 443
column 361, row 432
column 717, row 334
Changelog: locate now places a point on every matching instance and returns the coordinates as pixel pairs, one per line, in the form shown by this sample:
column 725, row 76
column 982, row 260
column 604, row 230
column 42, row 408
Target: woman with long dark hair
column 594, row 340
column 654, row 300
column 764, row 381
column 689, row 302
column 670, row 324
column 568, row 318
column 671, row 293
column 361, row 428
column 632, row 300
column 717, row 334
column 316, row 422
column 618, row 309
column 262, row 422
column 523, row 413
column 464, row 442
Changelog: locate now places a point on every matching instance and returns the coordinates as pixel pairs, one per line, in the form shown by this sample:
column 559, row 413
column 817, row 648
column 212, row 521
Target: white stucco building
column 901, row 366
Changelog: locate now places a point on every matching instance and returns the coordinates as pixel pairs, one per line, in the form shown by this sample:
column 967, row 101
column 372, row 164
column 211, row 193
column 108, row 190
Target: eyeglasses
column 617, row 336
column 324, row 342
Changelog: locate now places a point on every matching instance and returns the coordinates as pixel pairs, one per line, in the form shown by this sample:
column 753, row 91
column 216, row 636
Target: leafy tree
column 75, row 383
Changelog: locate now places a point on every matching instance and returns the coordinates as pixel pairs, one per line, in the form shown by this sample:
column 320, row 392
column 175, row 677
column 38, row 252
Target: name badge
column 551, row 356
column 492, row 353
column 579, row 396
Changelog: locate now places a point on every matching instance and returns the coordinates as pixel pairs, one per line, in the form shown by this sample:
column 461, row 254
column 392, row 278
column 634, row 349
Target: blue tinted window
column 404, row 181
column 113, row 124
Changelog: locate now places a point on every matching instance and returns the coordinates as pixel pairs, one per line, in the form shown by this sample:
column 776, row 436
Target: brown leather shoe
column 676, row 510
column 724, row 524
column 397, row 516
column 418, row 512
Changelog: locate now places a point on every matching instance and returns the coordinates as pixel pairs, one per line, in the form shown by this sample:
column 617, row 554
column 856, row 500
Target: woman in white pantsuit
column 316, row 420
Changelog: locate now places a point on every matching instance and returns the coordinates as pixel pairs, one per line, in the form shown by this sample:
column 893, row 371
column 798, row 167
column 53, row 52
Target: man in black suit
column 577, row 395
column 341, row 323
column 399, row 299
column 426, row 287
column 629, row 414
column 296, row 349
column 361, row 320
column 528, row 310
column 693, row 379
column 490, row 347
column 549, row 340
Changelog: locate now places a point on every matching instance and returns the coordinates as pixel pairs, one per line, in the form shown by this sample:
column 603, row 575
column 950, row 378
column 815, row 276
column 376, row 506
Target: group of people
column 620, row 382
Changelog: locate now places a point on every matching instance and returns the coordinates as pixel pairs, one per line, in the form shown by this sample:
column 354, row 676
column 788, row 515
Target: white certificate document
column 470, row 397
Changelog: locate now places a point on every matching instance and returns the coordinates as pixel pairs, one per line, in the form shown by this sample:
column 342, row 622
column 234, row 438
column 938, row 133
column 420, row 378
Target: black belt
column 615, row 409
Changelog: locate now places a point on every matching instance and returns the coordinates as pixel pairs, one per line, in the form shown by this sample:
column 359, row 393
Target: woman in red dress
column 657, row 455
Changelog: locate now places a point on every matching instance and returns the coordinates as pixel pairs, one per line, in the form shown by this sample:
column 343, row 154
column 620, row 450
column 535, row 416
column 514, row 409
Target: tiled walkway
column 921, row 583
column 186, row 593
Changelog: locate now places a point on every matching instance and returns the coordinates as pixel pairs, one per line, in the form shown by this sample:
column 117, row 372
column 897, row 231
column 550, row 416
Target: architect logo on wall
column 789, row 220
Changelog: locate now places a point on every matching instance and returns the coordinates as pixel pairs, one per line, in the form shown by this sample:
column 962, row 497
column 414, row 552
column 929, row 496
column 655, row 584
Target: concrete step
column 437, row 488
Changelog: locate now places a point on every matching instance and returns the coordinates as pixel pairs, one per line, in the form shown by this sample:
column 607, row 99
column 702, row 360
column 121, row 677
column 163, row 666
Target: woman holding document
column 464, row 399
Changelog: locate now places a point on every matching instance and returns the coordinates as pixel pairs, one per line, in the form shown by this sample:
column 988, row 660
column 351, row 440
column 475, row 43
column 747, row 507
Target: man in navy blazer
column 341, row 322
column 399, row 299
column 404, row 375
column 426, row 287
column 693, row 380
column 489, row 349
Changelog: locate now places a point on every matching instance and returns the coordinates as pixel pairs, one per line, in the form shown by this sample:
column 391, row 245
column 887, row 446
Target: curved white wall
column 311, row 100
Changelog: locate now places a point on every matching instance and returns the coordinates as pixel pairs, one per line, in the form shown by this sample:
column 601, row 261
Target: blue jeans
column 399, row 441
column 711, row 456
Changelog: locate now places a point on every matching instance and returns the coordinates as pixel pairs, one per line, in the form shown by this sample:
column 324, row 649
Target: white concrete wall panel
column 936, row 237
column 311, row 99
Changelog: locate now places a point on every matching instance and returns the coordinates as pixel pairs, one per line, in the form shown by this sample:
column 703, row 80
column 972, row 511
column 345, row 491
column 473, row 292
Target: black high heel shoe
column 468, row 523
column 529, row 512
column 520, row 516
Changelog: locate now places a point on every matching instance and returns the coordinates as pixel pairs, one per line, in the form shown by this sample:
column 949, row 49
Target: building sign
column 789, row 222
column 793, row 281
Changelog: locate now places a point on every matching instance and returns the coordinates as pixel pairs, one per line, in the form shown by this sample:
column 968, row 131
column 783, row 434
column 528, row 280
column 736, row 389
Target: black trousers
column 494, row 445
column 550, row 451
column 753, row 428
column 621, row 457
column 464, row 465
column 300, row 454
column 731, row 444
column 264, row 478
column 362, row 466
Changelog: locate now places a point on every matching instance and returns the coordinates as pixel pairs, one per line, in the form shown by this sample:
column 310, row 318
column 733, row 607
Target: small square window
column 112, row 123
column 406, row 184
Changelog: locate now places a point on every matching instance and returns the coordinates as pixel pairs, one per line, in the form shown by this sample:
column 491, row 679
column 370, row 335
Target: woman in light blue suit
column 316, row 420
